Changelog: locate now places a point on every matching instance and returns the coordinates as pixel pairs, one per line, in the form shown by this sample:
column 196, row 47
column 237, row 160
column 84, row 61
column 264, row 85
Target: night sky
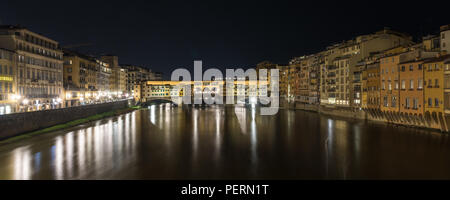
column 166, row 35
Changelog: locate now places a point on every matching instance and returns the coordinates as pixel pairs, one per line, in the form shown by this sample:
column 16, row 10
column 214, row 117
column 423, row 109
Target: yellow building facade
column 435, row 86
column 8, row 95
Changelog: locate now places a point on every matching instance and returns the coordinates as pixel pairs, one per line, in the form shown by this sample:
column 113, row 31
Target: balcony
column 41, row 96
column 331, row 90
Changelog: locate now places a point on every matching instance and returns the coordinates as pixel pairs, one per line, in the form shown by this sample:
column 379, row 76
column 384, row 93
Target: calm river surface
column 228, row 143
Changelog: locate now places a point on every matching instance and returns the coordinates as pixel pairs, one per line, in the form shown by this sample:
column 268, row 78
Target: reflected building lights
column 22, row 163
column 133, row 134
column 119, row 139
column 218, row 145
column 153, row 114
column 89, row 151
column 195, row 132
column 253, row 138
column 81, row 152
column 59, row 168
column 37, row 162
column 241, row 117
column 69, row 153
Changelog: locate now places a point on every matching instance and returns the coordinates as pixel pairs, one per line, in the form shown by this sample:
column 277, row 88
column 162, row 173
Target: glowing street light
column 15, row 97
column 25, row 101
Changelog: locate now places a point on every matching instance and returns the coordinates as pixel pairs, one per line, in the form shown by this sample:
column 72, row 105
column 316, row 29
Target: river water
column 164, row 142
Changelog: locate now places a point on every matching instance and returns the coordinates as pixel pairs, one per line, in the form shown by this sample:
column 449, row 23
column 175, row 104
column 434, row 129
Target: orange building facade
column 389, row 83
column 411, row 87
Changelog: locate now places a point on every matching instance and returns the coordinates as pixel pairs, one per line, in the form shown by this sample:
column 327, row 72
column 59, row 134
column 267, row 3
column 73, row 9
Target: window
column 383, row 86
column 10, row 70
column 385, row 102
column 403, row 68
column 419, row 67
column 443, row 36
column 403, row 84
column 436, row 102
column 415, row 103
column 410, row 67
column 407, row 102
column 396, row 84
column 447, row 81
column 430, row 102
column 389, row 86
column 436, row 83
column 394, row 102
column 419, row 83
column 411, row 84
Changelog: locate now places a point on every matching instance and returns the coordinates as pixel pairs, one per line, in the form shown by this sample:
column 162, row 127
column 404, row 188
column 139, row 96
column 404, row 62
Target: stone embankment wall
column 434, row 121
column 18, row 123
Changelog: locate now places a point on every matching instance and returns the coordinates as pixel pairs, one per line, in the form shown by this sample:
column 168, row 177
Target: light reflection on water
column 90, row 152
column 165, row 142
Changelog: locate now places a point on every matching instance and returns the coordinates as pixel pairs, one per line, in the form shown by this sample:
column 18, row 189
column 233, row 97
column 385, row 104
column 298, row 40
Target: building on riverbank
column 340, row 65
column 137, row 74
column 39, row 67
column 284, row 81
column 82, row 79
column 372, row 86
column 114, row 78
column 411, row 88
column 436, row 77
column 9, row 99
column 445, row 38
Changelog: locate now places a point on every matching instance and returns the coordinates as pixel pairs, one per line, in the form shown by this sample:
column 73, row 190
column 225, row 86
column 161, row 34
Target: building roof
column 439, row 59
column 78, row 54
column 7, row 50
column 414, row 61
column 343, row 57
column 445, row 27
column 20, row 27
